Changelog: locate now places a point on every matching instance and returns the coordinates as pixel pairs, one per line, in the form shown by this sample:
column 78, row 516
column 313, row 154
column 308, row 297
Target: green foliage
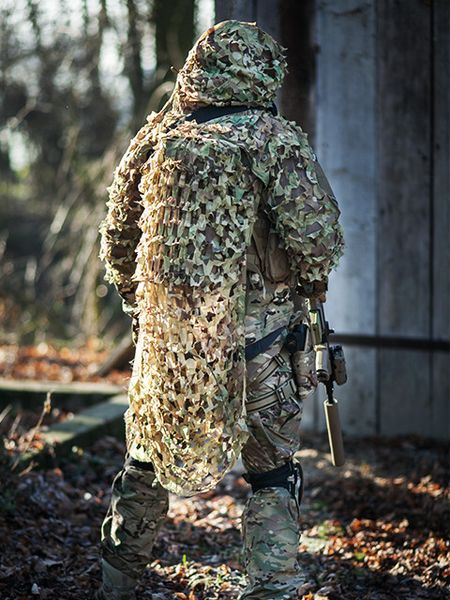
column 328, row 528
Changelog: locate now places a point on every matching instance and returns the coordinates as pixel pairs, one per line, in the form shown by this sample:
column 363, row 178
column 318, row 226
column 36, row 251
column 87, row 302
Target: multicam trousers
column 270, row 522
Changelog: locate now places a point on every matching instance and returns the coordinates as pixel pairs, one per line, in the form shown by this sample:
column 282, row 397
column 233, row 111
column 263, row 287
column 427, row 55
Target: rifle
column 330, row 369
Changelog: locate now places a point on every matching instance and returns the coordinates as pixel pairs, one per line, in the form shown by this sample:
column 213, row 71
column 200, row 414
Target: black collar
column 208, row 113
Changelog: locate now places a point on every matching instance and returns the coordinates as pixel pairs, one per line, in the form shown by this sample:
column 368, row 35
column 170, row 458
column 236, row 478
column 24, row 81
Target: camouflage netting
column 196, row 190
column 231, row 64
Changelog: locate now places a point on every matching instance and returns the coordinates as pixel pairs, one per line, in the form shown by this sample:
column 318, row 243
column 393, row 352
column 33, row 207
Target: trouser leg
column 271, row 535
column 270, row 521
column 137, row 510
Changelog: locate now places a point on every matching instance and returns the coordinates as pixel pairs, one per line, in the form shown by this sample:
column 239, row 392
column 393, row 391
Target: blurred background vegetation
column 76, row 81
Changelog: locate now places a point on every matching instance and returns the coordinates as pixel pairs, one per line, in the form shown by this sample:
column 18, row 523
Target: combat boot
column 116, row 585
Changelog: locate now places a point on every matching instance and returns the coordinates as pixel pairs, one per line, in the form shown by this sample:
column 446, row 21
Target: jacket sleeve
column 303, row 209
column 120, row 232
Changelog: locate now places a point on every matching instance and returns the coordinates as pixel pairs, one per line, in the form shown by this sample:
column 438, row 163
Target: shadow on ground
column 376, row 529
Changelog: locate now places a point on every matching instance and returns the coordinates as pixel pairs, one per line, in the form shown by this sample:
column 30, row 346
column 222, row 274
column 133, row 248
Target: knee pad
column 137, row 464
column 289, row 476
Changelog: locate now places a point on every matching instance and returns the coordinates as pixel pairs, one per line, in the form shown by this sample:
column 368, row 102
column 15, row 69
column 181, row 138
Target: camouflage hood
column 232, row 63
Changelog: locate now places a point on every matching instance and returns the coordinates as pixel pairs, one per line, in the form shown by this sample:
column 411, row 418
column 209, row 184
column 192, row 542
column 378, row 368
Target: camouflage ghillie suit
column 211, row 225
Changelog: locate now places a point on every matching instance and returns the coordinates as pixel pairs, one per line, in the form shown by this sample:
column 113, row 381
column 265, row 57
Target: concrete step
column 105, row 418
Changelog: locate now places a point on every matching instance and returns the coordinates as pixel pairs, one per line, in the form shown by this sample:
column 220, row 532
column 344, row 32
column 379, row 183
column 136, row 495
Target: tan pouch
column 276, row 264
column 272, row 256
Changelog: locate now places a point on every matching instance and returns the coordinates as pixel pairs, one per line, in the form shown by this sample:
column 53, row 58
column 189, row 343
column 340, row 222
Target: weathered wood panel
column 345, row 145
column 404, row 205
column 440, row 392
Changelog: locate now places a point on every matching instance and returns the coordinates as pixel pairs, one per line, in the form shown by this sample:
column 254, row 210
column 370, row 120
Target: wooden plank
column 441, row 224
column 42, row 387
column 404, row 184
column 25, row 393
column 346, row 147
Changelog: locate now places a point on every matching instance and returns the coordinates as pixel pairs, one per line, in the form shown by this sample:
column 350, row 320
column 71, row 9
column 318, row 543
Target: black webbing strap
column 208, row 113
column 263, row 344
column 289, row 476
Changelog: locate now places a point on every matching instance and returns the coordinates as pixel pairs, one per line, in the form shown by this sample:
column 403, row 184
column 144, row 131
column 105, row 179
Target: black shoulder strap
column 252, row 350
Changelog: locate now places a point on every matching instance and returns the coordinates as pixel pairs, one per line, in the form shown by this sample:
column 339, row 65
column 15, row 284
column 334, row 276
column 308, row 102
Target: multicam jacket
column 209, row 225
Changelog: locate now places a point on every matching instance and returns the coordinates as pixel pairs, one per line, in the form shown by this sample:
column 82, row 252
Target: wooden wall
column 440, row 218
column 383, row 129
column 374, row 91
column 405, row 212
column 346, row 147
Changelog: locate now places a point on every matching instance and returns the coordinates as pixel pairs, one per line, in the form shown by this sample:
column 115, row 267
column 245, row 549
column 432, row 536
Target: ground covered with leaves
column 376, row 528
column 63, row 363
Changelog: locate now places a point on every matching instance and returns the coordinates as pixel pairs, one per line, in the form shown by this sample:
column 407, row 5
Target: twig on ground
column 28, row 439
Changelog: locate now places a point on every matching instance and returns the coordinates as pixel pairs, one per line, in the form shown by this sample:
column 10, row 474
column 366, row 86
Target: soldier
column 218, row 214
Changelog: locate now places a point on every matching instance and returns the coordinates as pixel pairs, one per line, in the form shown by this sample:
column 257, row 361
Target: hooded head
column 232, row 63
